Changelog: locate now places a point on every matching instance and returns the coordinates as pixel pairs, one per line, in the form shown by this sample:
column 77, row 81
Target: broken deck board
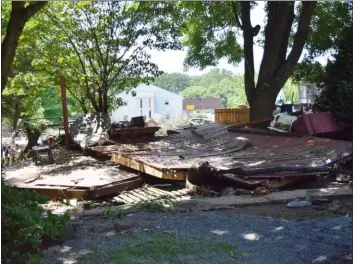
column 81, row 178
column 134, row 131
column 149, row 194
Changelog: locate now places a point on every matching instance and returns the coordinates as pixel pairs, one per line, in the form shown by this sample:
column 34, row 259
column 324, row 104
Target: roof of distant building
column 202, row 103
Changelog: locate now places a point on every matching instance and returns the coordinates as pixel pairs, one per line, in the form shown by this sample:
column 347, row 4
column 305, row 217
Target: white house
column 150, row 101
column 307, row 93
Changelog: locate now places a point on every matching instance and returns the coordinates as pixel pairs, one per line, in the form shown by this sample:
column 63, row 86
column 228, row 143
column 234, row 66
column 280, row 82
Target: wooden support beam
column 56, row 193
column 167, row 174
column 115, row 188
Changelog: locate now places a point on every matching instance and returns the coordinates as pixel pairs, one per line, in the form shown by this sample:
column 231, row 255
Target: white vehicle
column 199, row 121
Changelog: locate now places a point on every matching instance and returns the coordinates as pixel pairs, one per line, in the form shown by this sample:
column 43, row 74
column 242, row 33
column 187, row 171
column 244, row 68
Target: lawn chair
column 42, row 149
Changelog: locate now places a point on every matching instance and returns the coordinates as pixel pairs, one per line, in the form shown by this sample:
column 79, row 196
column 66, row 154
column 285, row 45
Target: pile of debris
column 301, row 119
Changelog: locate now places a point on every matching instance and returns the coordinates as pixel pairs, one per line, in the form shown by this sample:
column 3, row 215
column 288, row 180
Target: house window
column 149, row 114
column 149, row 103
column 126, row 117
column 167, row 116
column 141, row 103
column 166, row 102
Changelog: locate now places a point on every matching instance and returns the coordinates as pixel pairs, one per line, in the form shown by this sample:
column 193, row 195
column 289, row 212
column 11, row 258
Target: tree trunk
column 33, row 135
column 17, row 115
column 18, row 18
column 262, row 104
column 275, row 67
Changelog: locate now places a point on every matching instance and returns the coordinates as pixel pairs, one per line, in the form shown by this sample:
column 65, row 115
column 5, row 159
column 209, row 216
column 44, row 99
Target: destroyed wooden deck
column 172, row 157
column 79, row 177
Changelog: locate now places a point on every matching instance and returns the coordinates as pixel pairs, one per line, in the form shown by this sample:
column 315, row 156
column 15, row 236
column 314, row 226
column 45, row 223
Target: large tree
column 101, row 47
column 210, row 34
column 174, row 82
column 21, row 12
column 327, row 30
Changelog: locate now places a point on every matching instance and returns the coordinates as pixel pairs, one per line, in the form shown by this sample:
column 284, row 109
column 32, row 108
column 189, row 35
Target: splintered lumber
column 160, row 192
column 115, row 188
column 216, row 178
column 146, row 193
column 138, row 195
column 125, row 198
column 249, row 172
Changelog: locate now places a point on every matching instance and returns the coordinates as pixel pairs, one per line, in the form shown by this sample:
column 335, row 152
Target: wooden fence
column 232, row 116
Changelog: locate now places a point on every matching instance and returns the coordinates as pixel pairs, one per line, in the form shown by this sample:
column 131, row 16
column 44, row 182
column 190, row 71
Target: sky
column 172, row 60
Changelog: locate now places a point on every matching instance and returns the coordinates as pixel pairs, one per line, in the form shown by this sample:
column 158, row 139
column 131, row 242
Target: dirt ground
column 282, row 211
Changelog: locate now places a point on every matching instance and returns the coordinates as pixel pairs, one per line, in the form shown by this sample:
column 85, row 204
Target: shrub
column 23, row 224
column 337, row 89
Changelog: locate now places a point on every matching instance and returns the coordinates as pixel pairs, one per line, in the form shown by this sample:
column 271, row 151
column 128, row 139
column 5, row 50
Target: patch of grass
column 169, row 249
column 114, row 212
column 344, row 229
column 283, row 218
column 329, row 211
column 161, row 205
column 319, row 150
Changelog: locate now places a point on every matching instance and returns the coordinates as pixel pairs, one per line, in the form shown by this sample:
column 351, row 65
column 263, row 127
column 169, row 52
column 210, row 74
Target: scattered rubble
column 90, row 130
column 212, row 160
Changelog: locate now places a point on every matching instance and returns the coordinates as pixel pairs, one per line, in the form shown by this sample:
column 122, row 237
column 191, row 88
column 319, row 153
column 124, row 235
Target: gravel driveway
column 214, row 237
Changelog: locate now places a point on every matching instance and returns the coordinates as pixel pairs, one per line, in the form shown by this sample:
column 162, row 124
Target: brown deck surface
column 171, row 157
column 72, row 176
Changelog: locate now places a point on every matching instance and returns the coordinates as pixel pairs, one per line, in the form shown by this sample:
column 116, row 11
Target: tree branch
column 34, row 7
column 274, row 40
column 248, row 50
column 299, row 41
column 236, row 16
column 18, row 18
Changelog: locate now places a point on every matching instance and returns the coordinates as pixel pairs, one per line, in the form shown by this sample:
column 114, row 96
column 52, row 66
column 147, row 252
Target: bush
column 23, row 224
column 337, row 89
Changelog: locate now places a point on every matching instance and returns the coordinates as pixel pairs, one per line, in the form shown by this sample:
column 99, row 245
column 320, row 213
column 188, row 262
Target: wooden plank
column 162, row 192
column 115, row 188
column 176, row 193
column 126, row 198
column 141, row 166
column 132, row 197
column 184, row 191
column 134, row 131
column 55, row 193
column 140, row 196
column 146, row 193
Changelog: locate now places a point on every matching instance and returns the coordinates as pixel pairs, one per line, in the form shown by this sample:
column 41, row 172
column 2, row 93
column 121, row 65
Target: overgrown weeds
column 25, row 226
column 162, row 204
